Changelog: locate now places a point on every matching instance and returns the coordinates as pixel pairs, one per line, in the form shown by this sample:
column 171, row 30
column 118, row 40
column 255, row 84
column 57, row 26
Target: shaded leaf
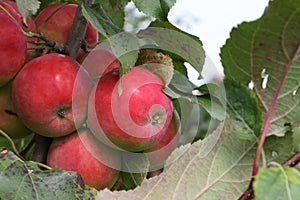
column 115, row 10
column 260, row 51
column 155, row 8
column 243, row 109
column 25, row 180
column 132, row 180
column 214, row 103
column 277, row 183
column 96, row 15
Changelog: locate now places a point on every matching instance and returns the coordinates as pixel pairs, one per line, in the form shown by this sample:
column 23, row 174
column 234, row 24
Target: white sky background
column 212, row 21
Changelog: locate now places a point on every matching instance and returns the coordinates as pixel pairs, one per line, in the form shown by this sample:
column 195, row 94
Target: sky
column 212, row 21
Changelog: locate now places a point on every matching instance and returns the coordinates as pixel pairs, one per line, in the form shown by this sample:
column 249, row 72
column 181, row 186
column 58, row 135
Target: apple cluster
column 91, row 112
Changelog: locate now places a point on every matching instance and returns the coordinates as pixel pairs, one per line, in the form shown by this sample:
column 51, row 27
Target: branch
column 77, row 34
column 47, row 44
column 293, row 161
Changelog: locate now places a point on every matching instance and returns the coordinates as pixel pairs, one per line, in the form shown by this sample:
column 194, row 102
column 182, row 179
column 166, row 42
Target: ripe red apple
column 9, row 120
column 12, row 8
column 134, row 120
column 57, row 27
column 12, row 49
column 159, row 153
column 44, row 93
column 99, row 62
column 83, row 153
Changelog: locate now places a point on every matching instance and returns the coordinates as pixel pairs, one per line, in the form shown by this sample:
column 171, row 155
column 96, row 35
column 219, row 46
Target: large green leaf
column 155, row 8
column 25, row 180
column 219, row 167
column 277, row 183
column 260, row 51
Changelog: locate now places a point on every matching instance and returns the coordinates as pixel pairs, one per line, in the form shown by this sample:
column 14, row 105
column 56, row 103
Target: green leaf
column 277, row 183
column 243, row 109
column 155, row 8
column 134, row 169
column 218, row 167
column 132, row 180
column 28, row 7
column 125, row 47
column 96, row 15
column 181, row 88
column 260, row 51
column 279, row 149
column 115, row 10
column 25, row 180
column 179, row 45
column 213, row 107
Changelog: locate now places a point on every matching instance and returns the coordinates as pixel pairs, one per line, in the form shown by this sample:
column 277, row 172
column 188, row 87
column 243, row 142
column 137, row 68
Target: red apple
column 12, row 8
column 134, row 120
column 57, row 27
column 12, row 48
column 81, row 152
column 9, row 120
column 99, row 62
column 44, row 93
column 159, row 153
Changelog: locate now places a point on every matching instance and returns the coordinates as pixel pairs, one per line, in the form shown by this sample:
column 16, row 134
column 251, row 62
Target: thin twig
column 13, row 146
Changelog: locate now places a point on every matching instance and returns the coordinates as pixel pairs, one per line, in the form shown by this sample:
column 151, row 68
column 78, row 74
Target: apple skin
column 58, row 26
column 135, row 120
column 159, row 153
column 9, row 120
column 44, row 93
column 99, row 62
column 81, row 152
column 12, row 49
column 13, row 10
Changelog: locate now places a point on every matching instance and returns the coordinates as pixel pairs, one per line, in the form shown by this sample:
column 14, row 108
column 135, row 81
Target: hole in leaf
column 251, row 85
column 274, row 154
column 265, row 78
